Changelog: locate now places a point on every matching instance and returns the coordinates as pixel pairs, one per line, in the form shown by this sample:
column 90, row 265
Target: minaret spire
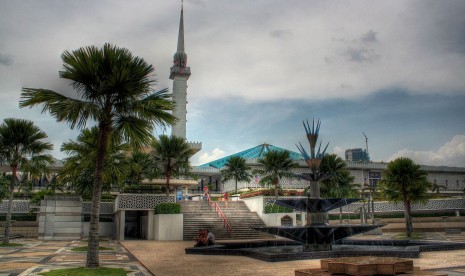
column 180, row 74
column 181, row 30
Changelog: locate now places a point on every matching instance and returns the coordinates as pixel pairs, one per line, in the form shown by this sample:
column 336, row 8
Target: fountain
column 317, row 239
column 316, row 235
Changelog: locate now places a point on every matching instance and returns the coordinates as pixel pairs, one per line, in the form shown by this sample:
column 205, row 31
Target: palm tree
column 404, row 181
column 115, row 90
column 236, row 169
column 77, row 168
column 20, row 145
column 4, row 184
column 140, row 167
column 276, row 165
column 171, row 156
column 340, row 183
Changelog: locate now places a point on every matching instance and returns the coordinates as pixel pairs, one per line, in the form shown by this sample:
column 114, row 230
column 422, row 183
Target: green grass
column 82, row 271
column 10, row 244
column 84, row 248
column 415, row 236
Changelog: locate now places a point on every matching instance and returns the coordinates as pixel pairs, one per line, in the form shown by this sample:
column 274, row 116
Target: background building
column 357, row 155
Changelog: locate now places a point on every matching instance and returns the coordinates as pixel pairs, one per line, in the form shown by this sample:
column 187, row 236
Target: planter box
column 168, row 227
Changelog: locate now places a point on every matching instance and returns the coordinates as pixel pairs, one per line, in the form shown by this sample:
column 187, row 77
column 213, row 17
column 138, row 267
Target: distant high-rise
column 358, row 155
column 180, row 74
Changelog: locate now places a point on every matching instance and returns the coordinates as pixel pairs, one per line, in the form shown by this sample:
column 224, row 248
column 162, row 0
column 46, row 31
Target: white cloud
column 207, row 157
column 339, row 151
column 450, row 154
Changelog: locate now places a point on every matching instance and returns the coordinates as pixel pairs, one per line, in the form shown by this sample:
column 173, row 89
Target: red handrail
column 220, row 214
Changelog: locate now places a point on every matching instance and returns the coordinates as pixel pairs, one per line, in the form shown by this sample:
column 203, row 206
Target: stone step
column 198, row 215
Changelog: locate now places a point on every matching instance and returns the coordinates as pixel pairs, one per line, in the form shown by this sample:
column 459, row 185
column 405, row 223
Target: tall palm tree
column 171, row 156
column 4, row 185
column 77, row 168
column 114, row 88
column 405, row 181
column 140, row 167
column 20, row 145
column 276, row 165
column 340, row 183
column 236, row 169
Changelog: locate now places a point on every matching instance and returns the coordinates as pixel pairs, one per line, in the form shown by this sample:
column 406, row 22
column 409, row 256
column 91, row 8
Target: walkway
column 39, row 256
column 168, row 258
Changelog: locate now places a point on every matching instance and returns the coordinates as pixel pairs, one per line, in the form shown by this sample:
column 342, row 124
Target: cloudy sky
column 394, row 70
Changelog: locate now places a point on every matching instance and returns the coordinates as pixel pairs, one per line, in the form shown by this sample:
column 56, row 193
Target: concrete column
column 457, row 213
column 121, row 223
column 150, row 222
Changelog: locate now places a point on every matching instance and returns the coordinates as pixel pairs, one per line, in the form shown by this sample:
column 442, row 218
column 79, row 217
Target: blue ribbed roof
column 252, row 153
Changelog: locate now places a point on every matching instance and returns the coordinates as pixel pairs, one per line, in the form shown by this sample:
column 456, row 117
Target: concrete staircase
column 198, row 215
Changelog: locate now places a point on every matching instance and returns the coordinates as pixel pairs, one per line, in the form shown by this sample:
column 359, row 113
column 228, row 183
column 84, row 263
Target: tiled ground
column 168, row 258
column 38, row 256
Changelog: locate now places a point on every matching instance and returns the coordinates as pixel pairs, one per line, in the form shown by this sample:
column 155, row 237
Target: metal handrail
column 220, row 214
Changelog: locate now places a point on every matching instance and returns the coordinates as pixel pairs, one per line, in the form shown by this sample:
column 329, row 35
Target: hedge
column 168, row 208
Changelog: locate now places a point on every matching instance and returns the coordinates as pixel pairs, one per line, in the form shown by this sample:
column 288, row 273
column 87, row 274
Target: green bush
column 168, row 208
column 38, row 196
column 276, row 209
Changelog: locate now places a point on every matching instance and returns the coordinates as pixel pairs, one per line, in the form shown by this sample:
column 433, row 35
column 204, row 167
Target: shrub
column 38, row 196
column 168, row 208
column 276, row 209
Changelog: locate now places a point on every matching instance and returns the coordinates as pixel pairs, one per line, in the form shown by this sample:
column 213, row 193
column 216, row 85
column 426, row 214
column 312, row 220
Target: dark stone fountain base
column 285, row 250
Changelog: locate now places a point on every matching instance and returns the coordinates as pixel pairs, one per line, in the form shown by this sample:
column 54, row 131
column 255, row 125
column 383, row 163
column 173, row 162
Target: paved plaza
column 160, row 258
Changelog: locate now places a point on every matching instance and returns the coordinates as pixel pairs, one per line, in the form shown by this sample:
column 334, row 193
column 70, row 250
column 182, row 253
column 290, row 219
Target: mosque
column 365, row 173
column 138, row 209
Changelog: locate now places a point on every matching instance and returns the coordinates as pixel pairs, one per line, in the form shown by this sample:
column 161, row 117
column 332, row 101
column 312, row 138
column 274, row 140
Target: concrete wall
column 106, row 229
column 27, row 229
column 257, row 204
column 60, row 219
column 168, row 227
column 275, row 218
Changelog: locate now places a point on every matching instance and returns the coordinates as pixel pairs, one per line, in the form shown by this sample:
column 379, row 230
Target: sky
column 394, row 70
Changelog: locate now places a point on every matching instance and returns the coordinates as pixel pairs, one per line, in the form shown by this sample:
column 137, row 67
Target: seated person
column 201, row 239
column 210, row 238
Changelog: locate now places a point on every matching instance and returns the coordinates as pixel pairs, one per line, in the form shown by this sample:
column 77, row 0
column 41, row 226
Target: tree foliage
column 21, row 146
column 237, row 169
column 340, row 183
column 276, row 165
column 78, row 168
column 171, row 156
column 114, row 88
column 404, row 181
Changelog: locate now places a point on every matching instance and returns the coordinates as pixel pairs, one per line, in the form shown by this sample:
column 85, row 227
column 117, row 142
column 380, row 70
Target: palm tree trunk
column 236, row 186
column 408, row 217
column 93, row 244
column 6, row 237
column 275, row 182
column 168, row 188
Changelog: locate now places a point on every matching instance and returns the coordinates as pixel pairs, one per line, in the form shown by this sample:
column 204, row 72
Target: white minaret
column 180, row 74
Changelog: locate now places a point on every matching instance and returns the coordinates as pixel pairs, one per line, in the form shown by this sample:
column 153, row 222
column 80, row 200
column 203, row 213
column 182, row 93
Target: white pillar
column 150, row 223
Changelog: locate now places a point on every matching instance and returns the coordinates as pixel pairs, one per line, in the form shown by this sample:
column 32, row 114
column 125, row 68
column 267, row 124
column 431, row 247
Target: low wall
column 27, row 229
column 426, row 224
column 275, row 218
column 168, row 227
